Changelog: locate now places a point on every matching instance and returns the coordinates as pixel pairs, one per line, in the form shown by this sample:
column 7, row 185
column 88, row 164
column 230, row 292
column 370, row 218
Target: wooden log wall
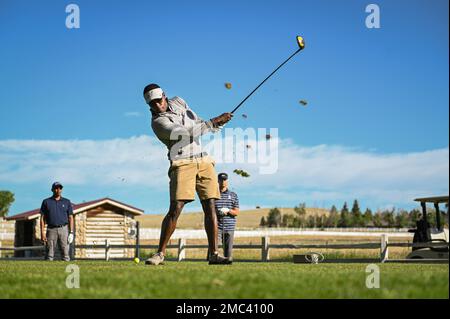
column 80, row 234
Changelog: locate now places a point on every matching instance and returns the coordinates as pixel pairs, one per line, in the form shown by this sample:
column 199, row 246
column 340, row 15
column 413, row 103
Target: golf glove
column 70, row 238
column 224, row 211
column 217, row 129
column 221, row 119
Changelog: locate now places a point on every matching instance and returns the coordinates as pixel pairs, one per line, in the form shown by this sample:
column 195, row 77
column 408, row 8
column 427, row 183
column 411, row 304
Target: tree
column 414, row 216
column 444, row 215
column 356, row 216
column 388, row 217
column 344, row 220
column 287, row 220
column 333, row 218
column 377, row 219
column 262, row 223
column 320, row 220
column 402, row 219
column 367, row 217
column 300, row 209
column 311, row 221
column 298, row 222
column 431, row 217
column 274, row 218
column 6, row 199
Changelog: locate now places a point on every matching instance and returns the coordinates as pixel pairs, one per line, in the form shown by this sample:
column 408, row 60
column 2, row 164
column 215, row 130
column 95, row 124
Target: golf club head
column 300, row 42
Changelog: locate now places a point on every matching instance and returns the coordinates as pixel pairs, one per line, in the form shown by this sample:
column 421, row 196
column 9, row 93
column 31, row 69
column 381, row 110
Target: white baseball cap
column 156, row 93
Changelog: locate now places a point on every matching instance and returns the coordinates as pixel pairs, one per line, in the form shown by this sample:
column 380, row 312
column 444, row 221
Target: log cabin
column 94, row 222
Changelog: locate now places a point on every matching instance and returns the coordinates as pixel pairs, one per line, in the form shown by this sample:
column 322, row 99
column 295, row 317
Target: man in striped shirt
column 227, row 208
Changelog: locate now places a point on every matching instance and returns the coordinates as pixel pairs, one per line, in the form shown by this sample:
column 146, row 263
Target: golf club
column 301, row 46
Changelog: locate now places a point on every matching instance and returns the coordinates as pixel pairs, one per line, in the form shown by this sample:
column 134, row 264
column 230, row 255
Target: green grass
column 124, row 279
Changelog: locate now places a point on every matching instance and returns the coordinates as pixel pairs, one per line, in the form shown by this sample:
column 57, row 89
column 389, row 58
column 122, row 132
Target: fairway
column 124, row 279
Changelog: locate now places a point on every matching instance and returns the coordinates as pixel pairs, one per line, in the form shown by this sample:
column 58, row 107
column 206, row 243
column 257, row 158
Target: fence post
column 384, row 249
column 181, row 249
column 107, row 249
column 137, row 252
column 0, row 249
column 265, row 248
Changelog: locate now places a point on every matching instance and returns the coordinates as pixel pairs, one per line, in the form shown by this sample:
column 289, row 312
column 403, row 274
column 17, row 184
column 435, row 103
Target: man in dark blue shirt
column 227, row 208
column 57, row 214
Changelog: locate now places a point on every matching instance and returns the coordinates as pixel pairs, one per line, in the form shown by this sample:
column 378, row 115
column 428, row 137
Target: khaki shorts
column 190, row 175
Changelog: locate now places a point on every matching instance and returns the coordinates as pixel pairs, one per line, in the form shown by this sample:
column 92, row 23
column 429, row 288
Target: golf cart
column 424, row 234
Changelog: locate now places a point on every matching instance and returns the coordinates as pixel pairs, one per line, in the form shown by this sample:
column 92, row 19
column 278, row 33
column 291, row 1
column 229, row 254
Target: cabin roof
column 78, row 208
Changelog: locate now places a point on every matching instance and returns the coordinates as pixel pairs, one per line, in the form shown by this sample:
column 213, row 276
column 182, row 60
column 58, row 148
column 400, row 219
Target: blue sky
column 374, row 95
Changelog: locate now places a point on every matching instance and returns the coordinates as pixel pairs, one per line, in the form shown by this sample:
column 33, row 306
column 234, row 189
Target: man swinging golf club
column 191, row 170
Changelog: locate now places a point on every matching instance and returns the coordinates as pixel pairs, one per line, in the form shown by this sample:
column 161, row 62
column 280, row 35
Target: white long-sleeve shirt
column 179, row 128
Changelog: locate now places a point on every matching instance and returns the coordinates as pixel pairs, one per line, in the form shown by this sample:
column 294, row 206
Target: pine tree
column 333, row 217
column 344, row 220
column 356, row 216
column 367, row 218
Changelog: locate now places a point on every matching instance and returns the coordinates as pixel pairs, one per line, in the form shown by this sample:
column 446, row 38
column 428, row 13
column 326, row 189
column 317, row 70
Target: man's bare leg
column 169, row 224
column 210, row 224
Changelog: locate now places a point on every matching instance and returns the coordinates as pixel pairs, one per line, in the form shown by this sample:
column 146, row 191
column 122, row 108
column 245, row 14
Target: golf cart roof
column 436, row 199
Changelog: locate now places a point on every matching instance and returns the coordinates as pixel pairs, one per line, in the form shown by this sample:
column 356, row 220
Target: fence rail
column 154, row 233
column 265, row 247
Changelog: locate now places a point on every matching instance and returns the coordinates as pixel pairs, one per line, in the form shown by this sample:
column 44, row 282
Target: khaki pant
column 188, row 176
column 57, row 236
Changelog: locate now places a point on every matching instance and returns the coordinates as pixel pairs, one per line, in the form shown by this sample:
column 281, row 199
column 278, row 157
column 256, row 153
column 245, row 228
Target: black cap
column 56, row 185
column 223, row 176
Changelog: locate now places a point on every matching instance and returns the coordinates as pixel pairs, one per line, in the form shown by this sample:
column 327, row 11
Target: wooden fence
column 265, row 248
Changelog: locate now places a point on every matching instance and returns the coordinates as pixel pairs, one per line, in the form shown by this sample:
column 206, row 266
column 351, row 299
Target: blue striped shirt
column 229, row 200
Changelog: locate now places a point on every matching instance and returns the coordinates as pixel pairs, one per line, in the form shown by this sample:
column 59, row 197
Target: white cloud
column 140, row 160
column 340, row 173
column 321, row 172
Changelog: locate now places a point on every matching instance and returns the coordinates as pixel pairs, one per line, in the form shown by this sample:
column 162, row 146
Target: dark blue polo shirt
column 56, row 212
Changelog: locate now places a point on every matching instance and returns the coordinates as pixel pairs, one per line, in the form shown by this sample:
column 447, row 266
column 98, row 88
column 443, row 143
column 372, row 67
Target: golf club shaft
column 234, row 110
